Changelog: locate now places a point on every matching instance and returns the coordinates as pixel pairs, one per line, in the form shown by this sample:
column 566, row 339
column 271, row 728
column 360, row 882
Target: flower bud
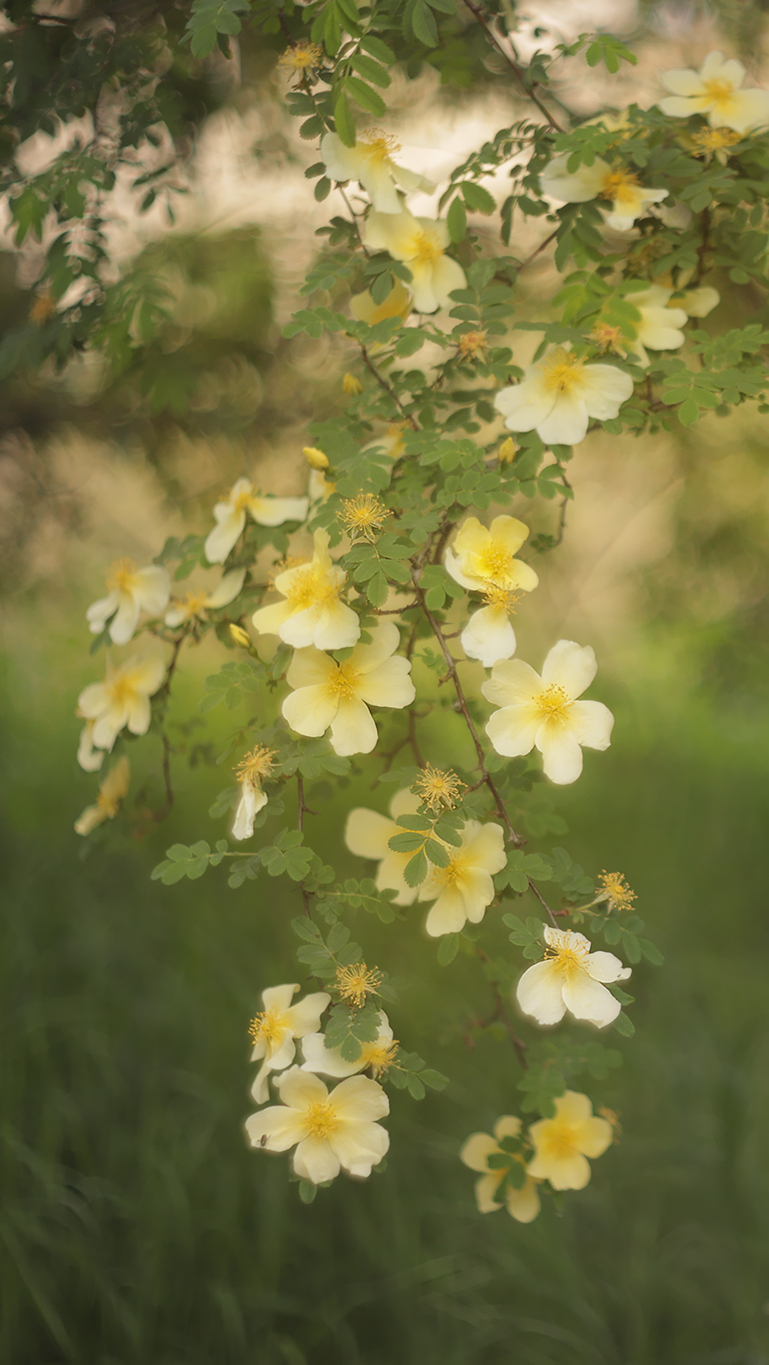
column 240, row 636
column 507, row 451
column 315, row 458
column 352, row 386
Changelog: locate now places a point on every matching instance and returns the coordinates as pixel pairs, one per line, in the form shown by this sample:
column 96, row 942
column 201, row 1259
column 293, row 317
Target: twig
column 517, row 70
column 382, row 382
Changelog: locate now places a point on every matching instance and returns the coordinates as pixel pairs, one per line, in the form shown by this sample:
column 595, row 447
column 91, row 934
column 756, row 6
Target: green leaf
column 378, row 49
column 343, row 119
column 447, row 949
column 415, row 870
column 367, row 98
column 456, row 220
column 477, row 198
column 688, row 412
column 651, row 952
column 424, row 25
column 307, row 1191
column 624, row 1026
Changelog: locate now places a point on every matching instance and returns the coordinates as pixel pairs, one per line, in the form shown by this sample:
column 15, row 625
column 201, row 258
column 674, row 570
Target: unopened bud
column 507, row 450
column 240, row 636
column 315, row 458
column 351, row 385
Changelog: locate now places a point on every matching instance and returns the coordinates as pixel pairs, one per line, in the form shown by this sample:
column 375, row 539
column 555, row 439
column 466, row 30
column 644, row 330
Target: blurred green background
column 137, row 1229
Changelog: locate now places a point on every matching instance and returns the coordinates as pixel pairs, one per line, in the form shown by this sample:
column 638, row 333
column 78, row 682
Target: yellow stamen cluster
column 569, row 960
column 43, row 308
column 619, row 186
column 715, row 139
column 321, row 1119
column 504, row 598
column 554, row 703
column 563, row 372
column 288, row 562
column 363, row 516
column 303, row 57
column 382, row 145
column 120, row 574
column 507, row 451
column 256, row 764
column 351, row 385
column 356, row 982
column 265, row 1027
column 615, row 890
column 379, row 1056
column 473, row 345
column 438, row 788
column 607, row 338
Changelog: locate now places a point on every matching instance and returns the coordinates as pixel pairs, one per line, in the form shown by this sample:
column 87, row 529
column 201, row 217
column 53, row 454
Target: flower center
column 194, row 602
column 438, row 787
column 122, row 689
column 563, row 372
column 378, row 147
column 569, row 960
column 718, row 91
column 309, row 588
column 449, row 876
column 494, row 561
column 554, row 703
column 354, row 983
column 379, row 1056
column 321, row 1119
column 344, row 681
column 120, row 577
column 426, row 248
column 716, row 139
column 267, row 1027
column 501, row 599
column 561, row 1139
column 621, row 186
column 303, row 57
column 243, row 499
column 255, row 765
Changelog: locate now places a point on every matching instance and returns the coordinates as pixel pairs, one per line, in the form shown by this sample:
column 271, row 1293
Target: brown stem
column 499, row 1012
column 517, row 70
column 383, row 384
column 533, row 255
column 301, row 810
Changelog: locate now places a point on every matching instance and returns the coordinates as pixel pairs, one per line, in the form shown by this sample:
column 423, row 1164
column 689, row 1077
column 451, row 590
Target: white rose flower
column 464, row 888
column 571, row 978
column 629, row 200
column 421, row 243
column 545, row 711
column 328, row 694
column 198, row 603
column 89, row 758
column 312, row 613
column 371, row 163
column 275, row 1030
column 131, row 591
column 715, row 91
column 112, row 791
column 697, row 303
column 660, row 324
column 368, row 834
column 560, row 393
column 377, row 1056
column 331, row 1132
column 242, row 501
column 122, row 699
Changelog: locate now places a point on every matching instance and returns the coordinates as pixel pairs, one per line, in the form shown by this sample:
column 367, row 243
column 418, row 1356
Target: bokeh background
column 135, row 1225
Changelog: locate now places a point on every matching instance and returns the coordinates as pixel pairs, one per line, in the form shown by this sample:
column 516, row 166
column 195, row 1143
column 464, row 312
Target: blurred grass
column 136, row 1226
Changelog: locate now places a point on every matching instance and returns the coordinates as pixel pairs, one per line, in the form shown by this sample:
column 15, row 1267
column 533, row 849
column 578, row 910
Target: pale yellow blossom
column 368, row 835
column 196, row 604
column 464, row 889
column 111, row 792
column 311, row 613
column 130, row 592
column 331, row 1131
column 397, row 304
column 421, row 243
column 715, row 91
column 274, row 1031
column 376, row 1056
column 545, row 711
column 256, row 765
column 337, row 696
column 241, row 502
column 123, row 698
column 562, row 1144
column 629, row 199
column 522, row 1204
column 89, row 758
column 371, row 163
column 660, row 323
column 560, row 393
column 571, row 978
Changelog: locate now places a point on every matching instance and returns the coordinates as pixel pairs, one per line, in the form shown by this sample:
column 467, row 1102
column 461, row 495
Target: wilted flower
column 330, row 1131
column 363, row 516
column 560, row 393
column 370, row 162
column 368, row 835
column 715, row 91
column 312, row 613
column 473, row 345
column 615, row 891
column 438, row 787
column 629, row 200
column 421, row 244
column 561, row 1144
column 122, row 699
column 111, row 792
column 356, row 982
column 522, row 1204
column 301, row 57
column 131, row 591
column 198, row 603
column 571, row 978
column 274, row 1031
column 241, row 502
column 250, row 771
column 376, row 1057
column 328, row 694
column 544, row 711
column 464, row 888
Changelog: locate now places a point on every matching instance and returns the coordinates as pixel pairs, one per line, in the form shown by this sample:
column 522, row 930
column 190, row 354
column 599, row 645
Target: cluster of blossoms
column 398, row 550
